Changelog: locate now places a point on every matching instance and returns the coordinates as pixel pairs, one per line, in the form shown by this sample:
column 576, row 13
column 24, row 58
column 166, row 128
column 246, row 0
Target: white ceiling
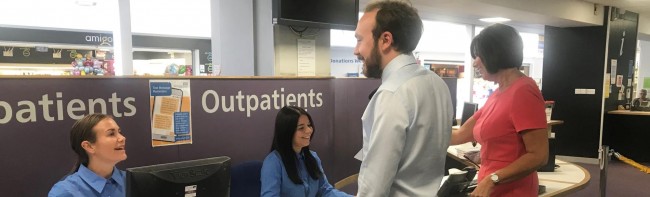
column 191, row 18
column 526, row 15
column 638, row 6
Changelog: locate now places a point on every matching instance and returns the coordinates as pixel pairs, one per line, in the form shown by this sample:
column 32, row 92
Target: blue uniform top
column 276, row 181
column 86, row 183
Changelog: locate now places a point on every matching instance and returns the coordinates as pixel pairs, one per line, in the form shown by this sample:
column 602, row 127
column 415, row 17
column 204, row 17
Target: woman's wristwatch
column 495, row 178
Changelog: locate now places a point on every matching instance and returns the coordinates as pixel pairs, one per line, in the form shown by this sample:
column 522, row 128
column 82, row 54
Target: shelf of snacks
column 448, row 70
column 91, row 66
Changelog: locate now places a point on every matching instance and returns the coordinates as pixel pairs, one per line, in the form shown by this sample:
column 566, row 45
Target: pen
column 468, row 159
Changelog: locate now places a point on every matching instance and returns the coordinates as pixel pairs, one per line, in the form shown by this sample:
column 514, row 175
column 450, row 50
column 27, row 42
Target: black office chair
column 245, row 179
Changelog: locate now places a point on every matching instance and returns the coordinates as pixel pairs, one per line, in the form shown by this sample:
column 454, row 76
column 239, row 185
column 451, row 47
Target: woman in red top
column 511, row 126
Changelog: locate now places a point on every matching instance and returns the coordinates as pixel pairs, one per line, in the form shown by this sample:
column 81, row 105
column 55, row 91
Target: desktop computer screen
column 202, row 177
column 468, row 111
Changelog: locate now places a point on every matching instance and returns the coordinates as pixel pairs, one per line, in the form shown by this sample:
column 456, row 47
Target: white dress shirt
column 406, row 131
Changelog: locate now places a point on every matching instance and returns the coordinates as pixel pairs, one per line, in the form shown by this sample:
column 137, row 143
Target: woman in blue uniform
column 99, row 144
column 291, row 169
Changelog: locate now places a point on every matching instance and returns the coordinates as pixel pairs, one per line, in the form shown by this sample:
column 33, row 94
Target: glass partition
column 47, row 40
column 56, row 37
column 162, row 63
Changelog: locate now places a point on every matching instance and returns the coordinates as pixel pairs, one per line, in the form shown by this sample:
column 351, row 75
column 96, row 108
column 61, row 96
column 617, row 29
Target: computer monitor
column 202, row 177
column 468, row 111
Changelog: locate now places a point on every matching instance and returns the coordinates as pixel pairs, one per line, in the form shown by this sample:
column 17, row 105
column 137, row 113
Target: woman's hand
column 483, row 189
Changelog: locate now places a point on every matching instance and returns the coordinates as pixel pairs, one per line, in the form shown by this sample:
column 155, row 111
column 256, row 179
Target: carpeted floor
column 622, row 180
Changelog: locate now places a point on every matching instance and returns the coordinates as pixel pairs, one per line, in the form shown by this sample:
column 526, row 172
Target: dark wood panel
column 622, row 48
column 574, row 58
column 628, row 135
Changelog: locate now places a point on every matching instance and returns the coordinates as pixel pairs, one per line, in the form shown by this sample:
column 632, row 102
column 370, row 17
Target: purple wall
column 350, row 100
column 35, row 155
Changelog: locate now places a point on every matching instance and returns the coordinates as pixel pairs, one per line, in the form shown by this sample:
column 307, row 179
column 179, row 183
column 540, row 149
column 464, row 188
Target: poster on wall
column 613, row 71
column 170, row 112
column 306, row 57
column 606, row 86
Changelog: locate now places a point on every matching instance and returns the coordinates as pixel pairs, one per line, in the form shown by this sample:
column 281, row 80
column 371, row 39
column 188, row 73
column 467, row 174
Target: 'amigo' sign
column 100, row 39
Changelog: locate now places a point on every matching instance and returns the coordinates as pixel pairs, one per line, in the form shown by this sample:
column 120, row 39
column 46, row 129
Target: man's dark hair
column 401, row 20
column 499, row 46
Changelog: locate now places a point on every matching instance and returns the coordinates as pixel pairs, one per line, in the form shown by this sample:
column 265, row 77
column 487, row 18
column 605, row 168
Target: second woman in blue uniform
column 291, row 169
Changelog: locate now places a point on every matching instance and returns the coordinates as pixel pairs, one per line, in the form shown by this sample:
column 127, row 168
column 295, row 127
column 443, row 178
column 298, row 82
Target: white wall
column 233, row 40
column 644, row 27
column 286, row 53
column 264, row 50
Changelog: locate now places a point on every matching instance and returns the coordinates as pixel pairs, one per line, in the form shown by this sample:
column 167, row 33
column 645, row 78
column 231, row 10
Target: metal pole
column 604, row 161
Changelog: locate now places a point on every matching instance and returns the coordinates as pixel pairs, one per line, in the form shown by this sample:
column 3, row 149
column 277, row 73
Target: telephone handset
column 458, row 185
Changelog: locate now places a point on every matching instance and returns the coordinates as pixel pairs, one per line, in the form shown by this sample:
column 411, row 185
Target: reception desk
column 226, row 112
column 627, row 132
column 551, row 137
column 565, row 180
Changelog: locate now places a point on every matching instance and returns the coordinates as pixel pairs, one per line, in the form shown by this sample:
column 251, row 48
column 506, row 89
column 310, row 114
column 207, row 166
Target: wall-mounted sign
column 348, row 60
column 41, row 48
column 51, row 56
column 209, row 56
column 8, row 52
column 26, row 52
column 56, row 53
column 100, row 39
column 170, row 113
column 306, row 57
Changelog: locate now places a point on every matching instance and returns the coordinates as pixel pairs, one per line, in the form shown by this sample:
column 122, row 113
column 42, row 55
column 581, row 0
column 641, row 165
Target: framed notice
column 607, row 86
column 306, row 57
column 619, row 80
column 613, row 71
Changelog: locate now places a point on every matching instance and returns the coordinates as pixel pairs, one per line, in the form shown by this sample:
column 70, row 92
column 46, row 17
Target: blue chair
column 245, row 179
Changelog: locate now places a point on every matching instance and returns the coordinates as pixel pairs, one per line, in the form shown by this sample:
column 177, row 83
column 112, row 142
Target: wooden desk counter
column 566, row 179
column 628, row 112
column 554, row 122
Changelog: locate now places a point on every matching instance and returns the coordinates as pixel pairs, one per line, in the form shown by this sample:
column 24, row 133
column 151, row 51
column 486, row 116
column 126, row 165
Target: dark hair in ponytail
column 82, row 130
